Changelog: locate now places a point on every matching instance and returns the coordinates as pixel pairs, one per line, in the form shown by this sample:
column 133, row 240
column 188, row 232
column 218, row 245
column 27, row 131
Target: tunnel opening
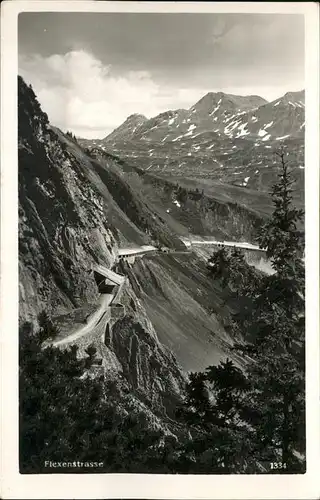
column 104, row 284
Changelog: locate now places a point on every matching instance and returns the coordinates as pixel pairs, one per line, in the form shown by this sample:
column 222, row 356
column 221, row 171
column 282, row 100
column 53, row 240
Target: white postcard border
column 153, row 486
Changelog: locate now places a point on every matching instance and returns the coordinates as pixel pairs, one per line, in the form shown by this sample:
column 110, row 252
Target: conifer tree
column 280, row 236
column 268, row 405
column 47, row 328
column 219, row 441
column 274, row 334
column 66, row 415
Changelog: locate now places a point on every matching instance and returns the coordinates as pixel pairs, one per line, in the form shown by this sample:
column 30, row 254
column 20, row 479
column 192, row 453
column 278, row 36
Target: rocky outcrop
column 149, row 367
column 128, row 352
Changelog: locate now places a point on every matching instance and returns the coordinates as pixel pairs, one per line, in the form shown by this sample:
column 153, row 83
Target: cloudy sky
column 90, row 71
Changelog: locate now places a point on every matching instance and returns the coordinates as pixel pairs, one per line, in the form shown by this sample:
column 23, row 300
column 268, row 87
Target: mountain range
column 223, row 114
column 222, row 138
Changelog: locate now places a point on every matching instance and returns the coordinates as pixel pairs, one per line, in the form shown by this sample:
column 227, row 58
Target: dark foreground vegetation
column 233, row 420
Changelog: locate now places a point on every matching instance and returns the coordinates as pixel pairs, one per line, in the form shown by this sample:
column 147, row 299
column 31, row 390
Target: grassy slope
column 217, row 214
column 254, row 200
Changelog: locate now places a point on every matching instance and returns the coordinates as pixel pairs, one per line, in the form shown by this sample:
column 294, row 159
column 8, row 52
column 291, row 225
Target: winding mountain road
column 105, row 300
column 93, row 320
column 238, row 244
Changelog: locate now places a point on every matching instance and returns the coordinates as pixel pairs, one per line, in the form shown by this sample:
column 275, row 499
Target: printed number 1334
column 278, row 465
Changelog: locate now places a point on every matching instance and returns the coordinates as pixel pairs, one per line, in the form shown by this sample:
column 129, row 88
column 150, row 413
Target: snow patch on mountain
column 243, row 130
column 283, row 137
column 192, row 127
column 266, row 137
column 177, row 138
column 262, row 133
column 216, row 108
column 268, row 125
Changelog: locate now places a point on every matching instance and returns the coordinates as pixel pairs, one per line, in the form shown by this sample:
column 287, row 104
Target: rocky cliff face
column 131, row 356
column 74, row 212
column 63, row 229
column 67, row 224
column 148, row 366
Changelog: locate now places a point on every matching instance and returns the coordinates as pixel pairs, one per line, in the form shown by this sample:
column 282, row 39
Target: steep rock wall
column 62, row 224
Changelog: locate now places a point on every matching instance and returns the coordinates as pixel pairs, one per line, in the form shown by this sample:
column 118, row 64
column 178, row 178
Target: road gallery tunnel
column 104, row 284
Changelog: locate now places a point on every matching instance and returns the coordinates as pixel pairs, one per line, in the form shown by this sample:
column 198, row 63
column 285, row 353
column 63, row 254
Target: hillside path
column 105, row 301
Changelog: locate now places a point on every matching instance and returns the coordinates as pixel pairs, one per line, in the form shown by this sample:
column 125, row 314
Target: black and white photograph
column 161, row 242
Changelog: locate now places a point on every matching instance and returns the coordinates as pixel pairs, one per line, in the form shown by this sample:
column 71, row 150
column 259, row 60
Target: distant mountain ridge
column 127, row 128
column 278, row 119
column 221, row 138
column 224, row 114
column 235, row 102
